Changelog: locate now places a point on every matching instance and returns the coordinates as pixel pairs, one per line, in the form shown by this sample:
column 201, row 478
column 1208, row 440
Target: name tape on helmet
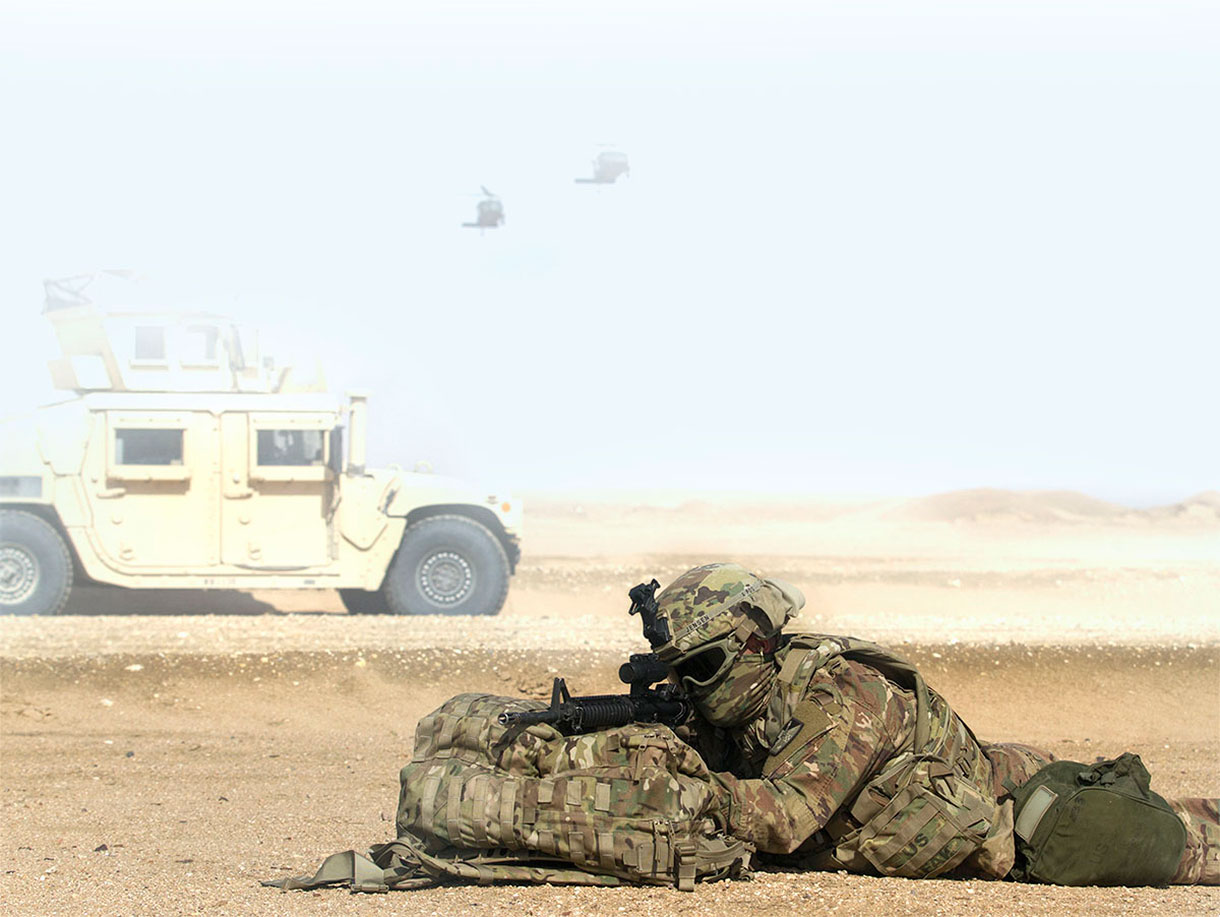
column 707, row 616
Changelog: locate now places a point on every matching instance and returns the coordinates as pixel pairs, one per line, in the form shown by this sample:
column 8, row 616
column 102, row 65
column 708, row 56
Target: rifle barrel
column 529, row 717
column 602, row 711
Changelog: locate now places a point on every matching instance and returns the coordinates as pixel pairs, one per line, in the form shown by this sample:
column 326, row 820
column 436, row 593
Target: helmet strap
column 765, row 646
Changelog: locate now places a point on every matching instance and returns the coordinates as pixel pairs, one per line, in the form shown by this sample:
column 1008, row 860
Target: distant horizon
column 669, row 494
column 1140, row 498
column 678, row 480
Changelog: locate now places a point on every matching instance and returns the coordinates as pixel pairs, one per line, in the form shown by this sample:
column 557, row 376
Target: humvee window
column 148, row 447
column 290, row 447
column 199, row 346
column 150, row 343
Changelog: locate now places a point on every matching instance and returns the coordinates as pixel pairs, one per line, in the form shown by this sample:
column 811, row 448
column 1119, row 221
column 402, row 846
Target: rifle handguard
column 604, row 711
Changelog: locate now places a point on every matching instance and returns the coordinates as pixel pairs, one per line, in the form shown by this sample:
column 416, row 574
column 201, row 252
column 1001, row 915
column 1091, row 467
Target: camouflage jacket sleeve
column 850, row 725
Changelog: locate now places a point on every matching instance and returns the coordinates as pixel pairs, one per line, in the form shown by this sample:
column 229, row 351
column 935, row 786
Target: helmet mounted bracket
column 644, row 603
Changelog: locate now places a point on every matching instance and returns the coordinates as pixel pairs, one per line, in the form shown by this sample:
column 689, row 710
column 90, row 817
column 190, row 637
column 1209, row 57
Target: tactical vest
column 929, row 808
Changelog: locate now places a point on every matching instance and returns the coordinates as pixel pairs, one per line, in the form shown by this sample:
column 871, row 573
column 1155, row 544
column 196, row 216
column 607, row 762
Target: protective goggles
column 705, row 666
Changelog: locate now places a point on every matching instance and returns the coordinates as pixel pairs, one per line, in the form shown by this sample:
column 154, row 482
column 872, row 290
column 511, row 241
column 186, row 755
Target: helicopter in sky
column 607, row 167
column 490, row 212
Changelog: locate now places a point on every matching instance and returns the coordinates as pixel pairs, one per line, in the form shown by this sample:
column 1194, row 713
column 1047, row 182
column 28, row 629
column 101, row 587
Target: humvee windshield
column 290, row 447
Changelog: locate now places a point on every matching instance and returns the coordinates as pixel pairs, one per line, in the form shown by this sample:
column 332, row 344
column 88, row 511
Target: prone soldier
column 835, row 753
column 829, row 752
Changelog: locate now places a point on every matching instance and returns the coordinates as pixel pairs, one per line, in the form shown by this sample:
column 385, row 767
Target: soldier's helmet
column 717, row 614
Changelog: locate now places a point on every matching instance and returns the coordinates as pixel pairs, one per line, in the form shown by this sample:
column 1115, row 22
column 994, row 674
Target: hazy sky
column 883, row 247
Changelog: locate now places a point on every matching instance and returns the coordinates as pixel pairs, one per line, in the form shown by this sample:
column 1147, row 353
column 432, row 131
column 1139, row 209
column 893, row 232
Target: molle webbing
column 808, row 653
column 633, row 804
column 922, row 814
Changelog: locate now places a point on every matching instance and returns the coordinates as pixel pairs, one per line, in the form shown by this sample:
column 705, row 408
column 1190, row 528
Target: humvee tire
column 35, row 568
column 448, row 565
column 363, row 601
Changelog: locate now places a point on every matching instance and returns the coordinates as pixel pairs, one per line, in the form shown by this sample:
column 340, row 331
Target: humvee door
column 278, row 490
column 151, row 483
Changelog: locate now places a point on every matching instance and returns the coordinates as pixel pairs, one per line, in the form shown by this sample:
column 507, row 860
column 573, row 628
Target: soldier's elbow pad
column 771, row 830
column 778, row 842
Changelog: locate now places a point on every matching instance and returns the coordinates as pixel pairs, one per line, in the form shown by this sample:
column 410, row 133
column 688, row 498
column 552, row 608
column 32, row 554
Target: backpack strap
column 809, row 653
column 400, row 865
column 346, row 868
column 904, row 673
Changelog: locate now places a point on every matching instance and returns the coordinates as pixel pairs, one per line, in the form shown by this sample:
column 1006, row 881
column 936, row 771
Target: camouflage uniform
column 811, row 738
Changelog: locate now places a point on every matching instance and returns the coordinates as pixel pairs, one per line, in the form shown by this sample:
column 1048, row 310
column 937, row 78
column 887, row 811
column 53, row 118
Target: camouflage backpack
column 483, row 802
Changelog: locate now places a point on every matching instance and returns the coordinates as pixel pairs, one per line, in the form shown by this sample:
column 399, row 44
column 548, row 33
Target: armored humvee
column 186, row 457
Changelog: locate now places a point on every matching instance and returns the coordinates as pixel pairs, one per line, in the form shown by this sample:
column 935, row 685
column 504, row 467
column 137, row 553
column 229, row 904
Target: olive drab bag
column 1095, row 824
column 487, row 803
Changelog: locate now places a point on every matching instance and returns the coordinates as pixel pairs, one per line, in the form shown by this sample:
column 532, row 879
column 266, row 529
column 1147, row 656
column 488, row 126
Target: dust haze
column 912, row 305
column 877, row 248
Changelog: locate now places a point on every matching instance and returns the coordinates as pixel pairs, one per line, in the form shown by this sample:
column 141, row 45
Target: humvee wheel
column 35, row 569
column 448, row 565
column 363, row 601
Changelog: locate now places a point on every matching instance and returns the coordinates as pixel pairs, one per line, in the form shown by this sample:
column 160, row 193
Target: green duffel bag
column 1095, row 824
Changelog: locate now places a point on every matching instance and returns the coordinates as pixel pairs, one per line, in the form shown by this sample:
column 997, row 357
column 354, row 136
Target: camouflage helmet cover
column 715, row 601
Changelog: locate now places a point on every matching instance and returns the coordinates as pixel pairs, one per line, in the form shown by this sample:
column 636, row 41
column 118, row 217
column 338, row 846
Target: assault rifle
column 664, row 704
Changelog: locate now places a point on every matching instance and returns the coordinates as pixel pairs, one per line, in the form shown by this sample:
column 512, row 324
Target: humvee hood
column 414, row 489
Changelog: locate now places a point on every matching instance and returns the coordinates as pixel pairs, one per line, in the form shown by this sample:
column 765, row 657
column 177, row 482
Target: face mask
column 742, row 695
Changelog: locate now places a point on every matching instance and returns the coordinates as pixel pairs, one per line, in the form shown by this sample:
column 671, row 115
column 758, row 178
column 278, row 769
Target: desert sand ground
column 163, row 751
